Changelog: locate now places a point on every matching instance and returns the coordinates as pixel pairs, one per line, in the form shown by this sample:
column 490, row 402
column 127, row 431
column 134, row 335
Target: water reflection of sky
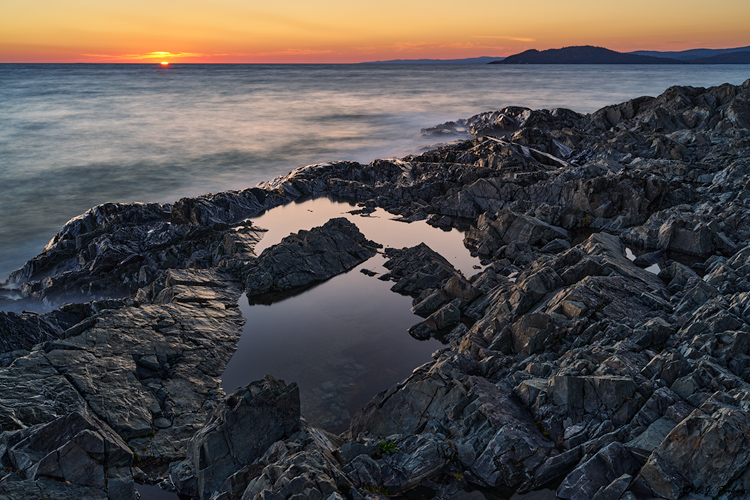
column 344, row 340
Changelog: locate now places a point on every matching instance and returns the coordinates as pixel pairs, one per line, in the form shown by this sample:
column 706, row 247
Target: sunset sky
column 290, row 31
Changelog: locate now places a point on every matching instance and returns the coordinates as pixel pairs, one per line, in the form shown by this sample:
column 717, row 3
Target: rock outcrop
column 308, row 257
column 565, row 364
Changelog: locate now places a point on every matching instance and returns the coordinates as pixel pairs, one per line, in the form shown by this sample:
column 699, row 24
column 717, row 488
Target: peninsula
column 587, row 54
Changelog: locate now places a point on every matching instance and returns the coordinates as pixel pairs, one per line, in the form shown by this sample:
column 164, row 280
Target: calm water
column 73, row 136
column 346, row 339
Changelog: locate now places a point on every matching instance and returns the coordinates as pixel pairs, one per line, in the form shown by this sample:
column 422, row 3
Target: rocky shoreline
column 568, row 366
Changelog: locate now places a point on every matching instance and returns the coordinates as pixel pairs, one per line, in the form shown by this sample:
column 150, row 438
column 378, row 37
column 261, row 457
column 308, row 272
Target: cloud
column 501, row 37
column 418, row 46
column 146, row 56
column 292, row 52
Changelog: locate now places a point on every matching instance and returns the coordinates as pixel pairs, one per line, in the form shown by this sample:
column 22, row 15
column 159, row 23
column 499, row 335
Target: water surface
column 346, row 339
column 77, row 135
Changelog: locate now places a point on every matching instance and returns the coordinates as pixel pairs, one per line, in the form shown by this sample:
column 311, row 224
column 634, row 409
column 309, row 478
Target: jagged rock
column 606, row 359
column 446, row 317
column 113, row 249
column 252, row 419
column 406, row 462
column 308, row 257
column 505, row 227
column 72, row 457
column 604, row 396
column 704, row 453
column 417, row 268
column 531, row 332
column 605, row 473
column 496, row 431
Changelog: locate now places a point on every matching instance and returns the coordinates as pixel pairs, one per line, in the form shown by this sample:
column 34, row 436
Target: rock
column 68, row 456
column 308, row 257
column 411, row 460
column 252, row 419
column 418, row 268
column 447, row 316
column 649, row 259
column 505, row 227
column 531, row 332
column 305, row 470
column 605, row 396
column 704, row 453
column 113, row 249
column 566, row 362
column 556, row 246
column 600, row 477
column 654, row 331
column 496, row 429
column 434, row 300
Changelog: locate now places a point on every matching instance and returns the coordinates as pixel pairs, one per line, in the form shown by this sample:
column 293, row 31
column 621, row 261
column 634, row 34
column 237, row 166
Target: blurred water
column 73, row 136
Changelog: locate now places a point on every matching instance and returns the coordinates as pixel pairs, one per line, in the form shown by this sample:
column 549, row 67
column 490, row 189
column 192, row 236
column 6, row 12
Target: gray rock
column 604, row 396
column 505, row 227
column 600, row 476
column 531, row 332
column 417, row 269
column 590, row 341
column 252, row 419
column 67, row 456
column 705, row 452
column 308, row 257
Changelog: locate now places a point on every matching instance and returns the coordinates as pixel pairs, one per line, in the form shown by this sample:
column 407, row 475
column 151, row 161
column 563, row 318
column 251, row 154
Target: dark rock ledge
column 567, row 366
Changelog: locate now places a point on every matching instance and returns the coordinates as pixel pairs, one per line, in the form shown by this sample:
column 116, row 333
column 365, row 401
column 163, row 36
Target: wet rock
column 308, row 257
column 70, row 456
column 418, row 268
column 114, row 249
column 252, row 419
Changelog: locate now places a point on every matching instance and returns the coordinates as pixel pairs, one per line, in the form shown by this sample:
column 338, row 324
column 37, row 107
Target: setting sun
column 164, row 63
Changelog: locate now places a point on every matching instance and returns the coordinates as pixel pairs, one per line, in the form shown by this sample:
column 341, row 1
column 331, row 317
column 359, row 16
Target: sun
column 164, row 63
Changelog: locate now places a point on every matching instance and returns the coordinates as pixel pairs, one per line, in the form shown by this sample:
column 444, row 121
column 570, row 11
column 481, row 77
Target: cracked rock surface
column 566, row 364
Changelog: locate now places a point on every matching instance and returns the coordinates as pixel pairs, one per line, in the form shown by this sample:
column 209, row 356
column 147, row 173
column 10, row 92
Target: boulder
column 419, row 268
column 308, row 257
column 239, row 433
column 704, row 453
column 67, row 457
column 606, row 475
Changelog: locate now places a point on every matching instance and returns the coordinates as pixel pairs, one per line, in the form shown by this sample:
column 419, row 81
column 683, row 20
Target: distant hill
column 469, row 60
column 729, row 58
column 692, row 54
column 585, row 54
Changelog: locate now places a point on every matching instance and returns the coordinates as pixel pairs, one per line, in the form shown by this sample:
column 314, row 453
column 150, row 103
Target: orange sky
column 286, row 31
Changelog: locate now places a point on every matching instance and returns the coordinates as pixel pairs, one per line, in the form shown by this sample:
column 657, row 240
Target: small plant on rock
column 388, row 447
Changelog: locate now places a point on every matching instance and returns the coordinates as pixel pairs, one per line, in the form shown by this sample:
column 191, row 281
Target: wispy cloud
column 418, row 46
column 146, row 56
column 292, row 52
column 501, row 37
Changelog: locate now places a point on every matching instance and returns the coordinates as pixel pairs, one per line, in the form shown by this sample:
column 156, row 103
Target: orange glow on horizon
column 164, row 63
column 340, row 31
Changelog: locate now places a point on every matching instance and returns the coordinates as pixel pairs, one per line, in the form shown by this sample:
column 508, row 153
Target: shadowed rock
column 308, row 257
